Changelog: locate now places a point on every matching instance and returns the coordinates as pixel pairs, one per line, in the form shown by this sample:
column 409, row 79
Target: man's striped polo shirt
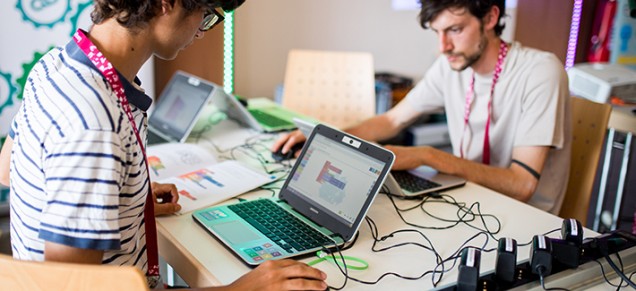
column 77, row 171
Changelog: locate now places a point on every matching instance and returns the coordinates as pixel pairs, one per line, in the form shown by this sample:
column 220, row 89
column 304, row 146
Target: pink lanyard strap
column 109, row 72
column 503, row 51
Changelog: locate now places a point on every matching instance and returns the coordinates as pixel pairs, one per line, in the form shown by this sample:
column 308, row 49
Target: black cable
column 620, row 284
column 377, row 239
column 447, row 199
column 345, row 272
column 602, row 246
column 465, row 215
column 253, row 148
column 455, row 255
column 272, row 191
column 620, row 261
column 541, row 269
column 343, row 269
column 440, row 262
column 606, row 279
column 374, row 233
column 618, row 271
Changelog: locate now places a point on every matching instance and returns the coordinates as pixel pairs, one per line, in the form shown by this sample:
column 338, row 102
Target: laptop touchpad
column 236, row 232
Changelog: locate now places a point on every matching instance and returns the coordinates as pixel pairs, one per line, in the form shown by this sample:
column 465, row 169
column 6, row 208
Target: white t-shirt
column 530, row 108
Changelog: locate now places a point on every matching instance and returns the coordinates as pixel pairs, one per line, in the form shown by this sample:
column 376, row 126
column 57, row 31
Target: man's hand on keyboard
column 407, row 158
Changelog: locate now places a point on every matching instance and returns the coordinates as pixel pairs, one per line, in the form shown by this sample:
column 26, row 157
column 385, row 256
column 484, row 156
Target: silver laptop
column 322, row 203
column 178, row 108
column 271, row 118
column 412, row 183
column 420, row 181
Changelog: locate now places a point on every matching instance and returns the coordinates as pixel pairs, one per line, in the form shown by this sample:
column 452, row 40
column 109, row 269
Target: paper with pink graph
column 172, row 159
column 215, row 183
column 200, row 179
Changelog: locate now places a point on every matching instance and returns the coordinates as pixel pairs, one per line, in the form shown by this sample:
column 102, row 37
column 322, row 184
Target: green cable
column 326, row 257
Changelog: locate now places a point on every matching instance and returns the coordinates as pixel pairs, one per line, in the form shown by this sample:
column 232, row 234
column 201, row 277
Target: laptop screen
column 336, row 178
column 179, row 105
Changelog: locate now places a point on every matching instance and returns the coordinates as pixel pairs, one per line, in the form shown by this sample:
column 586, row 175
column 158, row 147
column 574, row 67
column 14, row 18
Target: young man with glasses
column 507, row 107
column 80, row 190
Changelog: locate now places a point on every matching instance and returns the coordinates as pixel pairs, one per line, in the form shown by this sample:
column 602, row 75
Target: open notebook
column 322, row 203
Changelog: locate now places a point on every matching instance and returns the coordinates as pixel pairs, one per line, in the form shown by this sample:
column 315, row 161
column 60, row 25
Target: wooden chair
column 337, row 88
column 589, row 126
column 16, row 275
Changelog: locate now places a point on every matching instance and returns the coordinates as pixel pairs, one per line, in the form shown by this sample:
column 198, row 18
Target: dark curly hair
column 478, row 8
column 137, row 14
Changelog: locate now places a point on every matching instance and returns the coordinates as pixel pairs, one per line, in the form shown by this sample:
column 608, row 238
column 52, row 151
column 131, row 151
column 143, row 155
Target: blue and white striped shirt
column 77, row 171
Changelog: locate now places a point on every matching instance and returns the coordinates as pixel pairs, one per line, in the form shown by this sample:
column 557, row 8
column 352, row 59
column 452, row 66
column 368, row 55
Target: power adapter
column 572, row 231
column 541, row 255
column 506, row 267
column 567, row 250
column 468, row 276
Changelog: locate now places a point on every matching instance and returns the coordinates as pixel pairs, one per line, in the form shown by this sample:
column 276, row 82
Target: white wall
column 266, row 30
column 28, row 31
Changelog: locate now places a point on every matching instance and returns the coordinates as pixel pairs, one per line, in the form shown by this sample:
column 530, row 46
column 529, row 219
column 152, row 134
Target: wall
column 204, row 58
column 553, row 31
column 28, row 29
column 267, row 30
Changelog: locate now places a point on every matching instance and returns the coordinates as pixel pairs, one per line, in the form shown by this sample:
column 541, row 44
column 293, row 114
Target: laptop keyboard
column 268, row 119
column 413, row 183
column 286, row 230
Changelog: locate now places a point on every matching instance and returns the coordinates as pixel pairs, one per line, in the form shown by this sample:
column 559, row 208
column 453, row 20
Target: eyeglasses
column 211, row 19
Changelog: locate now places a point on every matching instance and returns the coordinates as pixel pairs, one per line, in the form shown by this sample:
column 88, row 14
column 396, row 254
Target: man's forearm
column 62, row 253
column 377, row 128
column 5, row 159
column 509, row 181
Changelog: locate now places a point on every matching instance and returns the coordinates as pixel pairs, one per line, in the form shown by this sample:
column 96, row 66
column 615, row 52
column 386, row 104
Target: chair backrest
column 337, row 88
column 16, row 275
column 589, row 126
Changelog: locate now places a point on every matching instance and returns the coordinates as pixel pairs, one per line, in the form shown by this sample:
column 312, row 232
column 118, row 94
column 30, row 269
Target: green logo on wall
column 7, row 90
column 81, row 18
column 4, row 191
column 44, row 12
column 26, row 69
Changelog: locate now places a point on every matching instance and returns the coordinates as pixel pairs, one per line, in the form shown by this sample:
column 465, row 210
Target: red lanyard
column 109, row 72
column 503, row 51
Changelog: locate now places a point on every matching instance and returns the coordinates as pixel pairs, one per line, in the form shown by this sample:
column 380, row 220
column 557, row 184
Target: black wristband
column 527, row 168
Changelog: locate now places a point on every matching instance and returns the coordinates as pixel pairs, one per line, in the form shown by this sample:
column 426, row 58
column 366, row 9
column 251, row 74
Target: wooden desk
column 201, row 260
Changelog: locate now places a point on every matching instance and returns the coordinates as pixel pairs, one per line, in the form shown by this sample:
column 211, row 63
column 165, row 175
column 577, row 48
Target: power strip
column 588, row 272
column 586, row 275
